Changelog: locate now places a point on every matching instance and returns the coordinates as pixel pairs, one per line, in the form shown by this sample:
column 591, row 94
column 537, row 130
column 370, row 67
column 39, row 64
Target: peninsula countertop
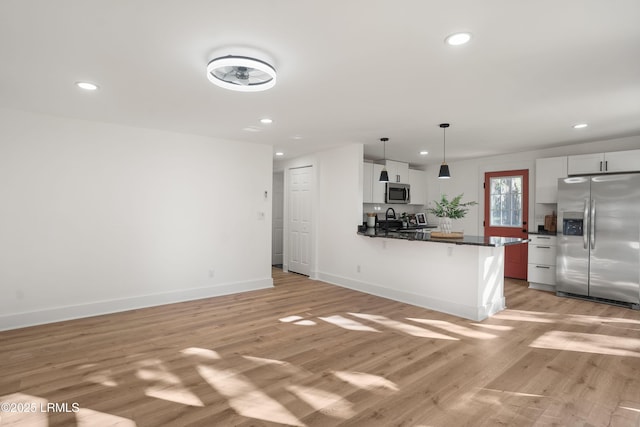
column 407, row 234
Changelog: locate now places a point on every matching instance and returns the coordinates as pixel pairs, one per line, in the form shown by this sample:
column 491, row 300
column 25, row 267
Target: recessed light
column 457, row 39
column 87, row 85
column 252, row 129
column 266, row 121
column 296, row 137
column 279, row 153
column 580, row 126
column 424, row 153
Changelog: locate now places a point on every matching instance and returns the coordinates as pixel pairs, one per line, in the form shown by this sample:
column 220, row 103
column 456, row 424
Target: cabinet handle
column 544, row 247
column 601, row 166
column 606, row 165
column 543, row 266
column 544, row 238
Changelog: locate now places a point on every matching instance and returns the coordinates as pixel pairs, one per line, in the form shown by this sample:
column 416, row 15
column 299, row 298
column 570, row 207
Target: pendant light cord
column 444, row 145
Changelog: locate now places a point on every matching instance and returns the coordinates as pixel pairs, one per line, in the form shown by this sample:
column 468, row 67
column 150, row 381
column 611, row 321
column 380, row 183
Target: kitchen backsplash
column 381, row 209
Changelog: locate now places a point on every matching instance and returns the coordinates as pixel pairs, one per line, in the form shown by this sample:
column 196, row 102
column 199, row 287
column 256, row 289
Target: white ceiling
column 348, row 70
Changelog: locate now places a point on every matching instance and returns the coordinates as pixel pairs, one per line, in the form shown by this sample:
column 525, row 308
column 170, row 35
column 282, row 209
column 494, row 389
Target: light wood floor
column 308, row 353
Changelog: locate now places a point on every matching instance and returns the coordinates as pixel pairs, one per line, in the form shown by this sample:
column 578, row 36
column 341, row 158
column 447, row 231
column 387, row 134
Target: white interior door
column 299, row 220
column 277, row 234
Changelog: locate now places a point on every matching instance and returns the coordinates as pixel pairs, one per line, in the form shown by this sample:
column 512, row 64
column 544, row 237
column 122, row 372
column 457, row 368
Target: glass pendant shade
column 444, row 172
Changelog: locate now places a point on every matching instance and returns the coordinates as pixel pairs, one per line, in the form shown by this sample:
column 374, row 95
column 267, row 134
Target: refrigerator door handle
column 593, row 224
column 585, row 238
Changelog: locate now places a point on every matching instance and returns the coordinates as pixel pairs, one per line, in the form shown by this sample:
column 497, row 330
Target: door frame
column 526, row 204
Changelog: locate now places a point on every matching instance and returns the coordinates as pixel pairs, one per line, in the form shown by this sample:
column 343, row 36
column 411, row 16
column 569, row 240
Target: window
column 506, row 201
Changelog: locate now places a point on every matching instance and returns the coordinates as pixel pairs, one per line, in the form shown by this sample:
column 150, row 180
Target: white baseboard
column 57, row 314
column 460, row 310
column 542, row 287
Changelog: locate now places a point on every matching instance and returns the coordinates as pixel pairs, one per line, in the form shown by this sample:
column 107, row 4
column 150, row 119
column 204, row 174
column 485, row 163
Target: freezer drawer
column 542, row 254
column 545, row 274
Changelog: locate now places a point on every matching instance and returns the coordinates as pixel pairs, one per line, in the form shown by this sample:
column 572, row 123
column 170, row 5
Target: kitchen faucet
column 386, row 215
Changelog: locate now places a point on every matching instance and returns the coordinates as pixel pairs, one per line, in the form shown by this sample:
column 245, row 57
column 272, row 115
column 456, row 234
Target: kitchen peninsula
column 463, row 277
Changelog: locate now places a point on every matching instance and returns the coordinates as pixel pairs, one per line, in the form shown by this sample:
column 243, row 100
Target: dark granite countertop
column 426, row 237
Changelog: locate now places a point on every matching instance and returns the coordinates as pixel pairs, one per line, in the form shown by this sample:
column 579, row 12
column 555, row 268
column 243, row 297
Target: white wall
column 467, row 177
column 98, row 218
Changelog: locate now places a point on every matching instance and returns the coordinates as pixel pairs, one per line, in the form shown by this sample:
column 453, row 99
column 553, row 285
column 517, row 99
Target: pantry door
column 300, row 220
column 506, row 208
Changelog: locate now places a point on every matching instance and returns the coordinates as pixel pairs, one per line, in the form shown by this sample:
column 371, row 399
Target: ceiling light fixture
column 266, row 121
column 384, row 175
column 457, row 39
column 87, row 86
column 279, row 153
column 580, row 126
column 241, row 73
column 444, row 168
column 424, row 153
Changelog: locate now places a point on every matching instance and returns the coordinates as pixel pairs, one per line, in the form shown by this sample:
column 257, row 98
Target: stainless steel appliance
column 397, row 193
column 599, row 238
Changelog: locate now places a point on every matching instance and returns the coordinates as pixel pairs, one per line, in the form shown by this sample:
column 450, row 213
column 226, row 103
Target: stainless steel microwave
column 397, row 193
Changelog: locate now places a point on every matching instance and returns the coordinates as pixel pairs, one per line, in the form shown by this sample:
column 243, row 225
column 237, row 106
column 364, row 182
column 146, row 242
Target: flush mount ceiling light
column 424, row 153
column 241, row 73
column 580, row 126
column 384, row 175
column 87, row 86
column 444, row 168
column 457, row 39
column 266, row 121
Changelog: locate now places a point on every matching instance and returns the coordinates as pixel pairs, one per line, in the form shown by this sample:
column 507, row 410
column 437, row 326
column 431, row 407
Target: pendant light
column 384, row 175
column 444, row 167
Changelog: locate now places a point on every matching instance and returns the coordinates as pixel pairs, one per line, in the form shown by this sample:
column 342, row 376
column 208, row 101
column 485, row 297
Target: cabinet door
column 542, row 254
column 367, row 183
column 398, row 171
column 547, row 173
column 622, row 161
column 545, row 274
column 418, row 182
column 585, row 164
column 378, row 187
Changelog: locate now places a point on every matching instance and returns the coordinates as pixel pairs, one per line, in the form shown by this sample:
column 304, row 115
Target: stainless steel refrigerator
column 599, row 237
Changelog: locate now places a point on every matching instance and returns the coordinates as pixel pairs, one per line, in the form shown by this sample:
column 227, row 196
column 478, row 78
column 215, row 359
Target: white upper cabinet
column 622, row 161
column 618, row 161
column 418, row 182
column 547, row 173
column 398, row 171
column 378, row 188
column 367, row 183
column 372, row 188
column 585, row 164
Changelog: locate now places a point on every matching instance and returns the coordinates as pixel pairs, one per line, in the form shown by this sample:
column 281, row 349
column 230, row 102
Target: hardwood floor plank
column 313, row 354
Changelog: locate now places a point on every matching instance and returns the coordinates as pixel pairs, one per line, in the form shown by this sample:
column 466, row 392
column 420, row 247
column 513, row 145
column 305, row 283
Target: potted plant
column 447, row 210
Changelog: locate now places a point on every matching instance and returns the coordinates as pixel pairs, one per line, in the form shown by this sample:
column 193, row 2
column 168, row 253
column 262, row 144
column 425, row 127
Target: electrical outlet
column 212, row 273
column 358, row 268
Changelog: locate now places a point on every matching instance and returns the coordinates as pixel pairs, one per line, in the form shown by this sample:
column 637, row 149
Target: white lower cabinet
column 541, row 271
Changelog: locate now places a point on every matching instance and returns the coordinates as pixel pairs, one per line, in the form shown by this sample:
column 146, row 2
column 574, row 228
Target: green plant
column 453, row 209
